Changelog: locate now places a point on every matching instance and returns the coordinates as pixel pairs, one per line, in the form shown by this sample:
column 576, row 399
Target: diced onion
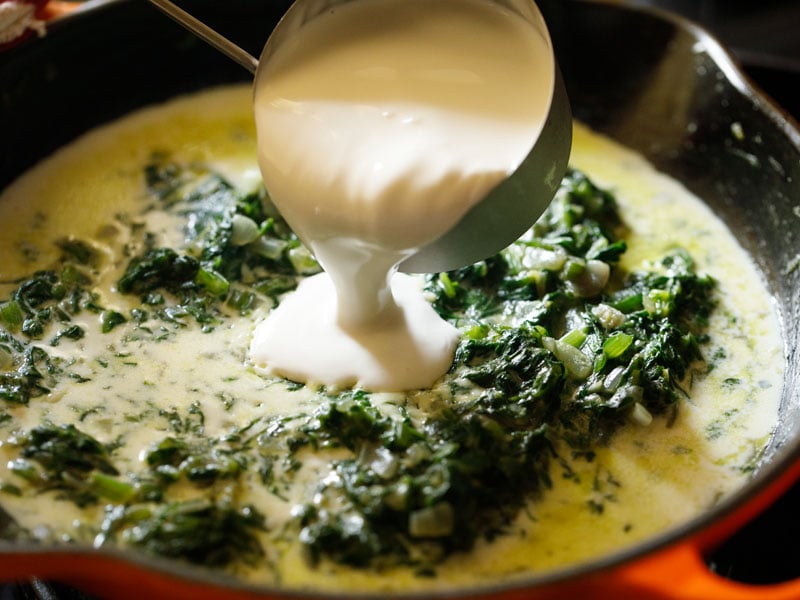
column 609, row 317
column 243, row 230
column 577, row 363
column 591, row 280
column 544, row 258
column 434, row 521
column 640, row 415
column 383, row 463
column 613, row 379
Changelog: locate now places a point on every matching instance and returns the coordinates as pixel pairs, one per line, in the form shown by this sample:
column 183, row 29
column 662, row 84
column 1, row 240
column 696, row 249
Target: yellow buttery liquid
column 649, row 479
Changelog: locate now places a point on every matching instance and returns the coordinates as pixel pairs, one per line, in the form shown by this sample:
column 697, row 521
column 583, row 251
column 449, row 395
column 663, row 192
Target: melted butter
column 380, row 125
column 648, row 480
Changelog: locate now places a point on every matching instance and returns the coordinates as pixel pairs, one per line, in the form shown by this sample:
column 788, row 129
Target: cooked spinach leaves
column 236, row 247
column 560, row 347
column 62, row 458
column 587, row 350
column 203, row 531
column 45, row 304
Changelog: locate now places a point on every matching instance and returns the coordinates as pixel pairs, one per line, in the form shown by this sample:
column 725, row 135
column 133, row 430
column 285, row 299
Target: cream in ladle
column 381, row 123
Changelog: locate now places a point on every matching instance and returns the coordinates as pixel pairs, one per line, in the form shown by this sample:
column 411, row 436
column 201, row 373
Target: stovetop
column 763, row 37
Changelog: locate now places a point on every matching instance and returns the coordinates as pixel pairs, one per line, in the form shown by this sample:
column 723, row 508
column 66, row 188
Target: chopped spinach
column 29, row 370
column 62, row 458
column 235, row 244
column 158, row 268
column 80, row 469
column 560, row 347
column 202, row 531
column 415, row 492
column 590, row 349
column 203, row 462
column 46, row 298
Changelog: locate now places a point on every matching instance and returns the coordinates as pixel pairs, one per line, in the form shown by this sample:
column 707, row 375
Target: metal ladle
column 509, row 209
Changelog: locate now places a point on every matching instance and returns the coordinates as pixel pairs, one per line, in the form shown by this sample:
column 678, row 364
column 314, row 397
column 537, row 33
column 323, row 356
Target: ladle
column 509, row 209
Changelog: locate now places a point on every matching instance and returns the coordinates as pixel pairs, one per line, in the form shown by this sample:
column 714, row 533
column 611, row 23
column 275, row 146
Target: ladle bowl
column 510, row 208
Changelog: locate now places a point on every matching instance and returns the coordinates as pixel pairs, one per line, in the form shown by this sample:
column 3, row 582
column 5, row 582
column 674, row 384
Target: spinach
column 46, row 300
column 203, row 462
column 591, row 348
column 80, row 469
column 30, row 371
column 62, row 458
column 56, row 295
column 236, row 235
column 625, row 344
column 560, row 347
column 202, row 531
column 236, row 248
column 158, row 268
column 416, row 492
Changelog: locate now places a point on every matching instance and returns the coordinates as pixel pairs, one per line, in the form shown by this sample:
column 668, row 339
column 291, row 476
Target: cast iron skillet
column 655, row 83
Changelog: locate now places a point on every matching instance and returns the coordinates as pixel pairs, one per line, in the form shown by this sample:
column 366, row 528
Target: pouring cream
column 380, row 124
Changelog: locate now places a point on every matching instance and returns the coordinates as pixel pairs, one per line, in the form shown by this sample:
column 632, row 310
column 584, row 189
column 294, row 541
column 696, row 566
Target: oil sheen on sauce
column 650, row 478
column 380, row 124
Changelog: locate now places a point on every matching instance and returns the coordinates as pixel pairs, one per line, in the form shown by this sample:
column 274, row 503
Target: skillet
column 653, row 82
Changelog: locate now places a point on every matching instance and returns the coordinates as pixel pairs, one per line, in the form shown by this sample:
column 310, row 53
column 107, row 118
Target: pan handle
column 679, row 572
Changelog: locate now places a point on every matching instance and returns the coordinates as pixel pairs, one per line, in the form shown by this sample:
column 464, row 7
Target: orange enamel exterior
column 57, row 8
column 677, row 572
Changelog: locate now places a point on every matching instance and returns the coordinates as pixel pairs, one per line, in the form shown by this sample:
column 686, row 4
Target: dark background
column 764, row 36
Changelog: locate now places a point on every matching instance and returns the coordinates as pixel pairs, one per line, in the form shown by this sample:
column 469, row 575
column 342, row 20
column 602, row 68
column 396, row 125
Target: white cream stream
column 380, row 124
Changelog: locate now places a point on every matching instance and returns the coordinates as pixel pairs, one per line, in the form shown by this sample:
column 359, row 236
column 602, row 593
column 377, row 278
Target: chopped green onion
column 447, row 284
column 574, row 267
column 24, row 468
column 576, row 362
column 629, row 304
column 112, row 489
column 616, row 344
column 574, row 338
column 212, row 281
column 658, row 303
column 303, row 261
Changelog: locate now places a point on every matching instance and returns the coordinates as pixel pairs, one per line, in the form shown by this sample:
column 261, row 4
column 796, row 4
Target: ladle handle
column 205, row 33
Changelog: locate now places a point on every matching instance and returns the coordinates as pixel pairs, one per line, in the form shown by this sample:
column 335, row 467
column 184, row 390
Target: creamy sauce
column 648, row 479
column 380, row 125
